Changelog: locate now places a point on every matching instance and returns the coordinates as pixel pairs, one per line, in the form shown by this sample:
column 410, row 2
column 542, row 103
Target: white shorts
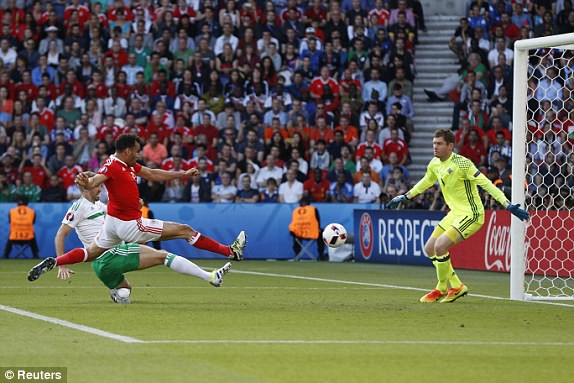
column 115, row 231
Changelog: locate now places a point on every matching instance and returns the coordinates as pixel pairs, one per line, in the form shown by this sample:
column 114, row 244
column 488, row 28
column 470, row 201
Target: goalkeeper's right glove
column 396, row 201
column 515, row 209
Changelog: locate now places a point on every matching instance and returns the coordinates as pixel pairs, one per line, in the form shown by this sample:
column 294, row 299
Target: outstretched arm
column 63, row 232
column 166, row 175
column 84, row 180
column 427, row 181
column 499, row 196
column 60, row 238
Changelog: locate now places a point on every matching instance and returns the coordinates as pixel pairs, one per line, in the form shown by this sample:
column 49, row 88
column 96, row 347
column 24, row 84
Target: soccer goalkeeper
column 458, row 178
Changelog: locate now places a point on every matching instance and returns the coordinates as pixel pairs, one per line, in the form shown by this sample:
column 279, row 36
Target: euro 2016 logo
column 366, row 235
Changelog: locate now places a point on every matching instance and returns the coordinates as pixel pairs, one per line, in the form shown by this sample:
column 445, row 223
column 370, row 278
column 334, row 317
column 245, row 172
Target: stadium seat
column 305, row 249
column 20, row 250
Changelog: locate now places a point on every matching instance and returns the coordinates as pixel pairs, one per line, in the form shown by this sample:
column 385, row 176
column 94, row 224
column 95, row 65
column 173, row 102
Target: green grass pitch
column 284, row 322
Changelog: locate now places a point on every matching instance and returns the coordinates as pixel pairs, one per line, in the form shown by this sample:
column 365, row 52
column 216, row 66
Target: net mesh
column 549, row 251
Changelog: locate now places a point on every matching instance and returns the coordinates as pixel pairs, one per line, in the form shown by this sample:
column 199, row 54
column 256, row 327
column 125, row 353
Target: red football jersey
column 69, row 175
column 123, row 193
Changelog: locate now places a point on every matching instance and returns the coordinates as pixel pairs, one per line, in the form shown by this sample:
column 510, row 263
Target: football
column 334, row 235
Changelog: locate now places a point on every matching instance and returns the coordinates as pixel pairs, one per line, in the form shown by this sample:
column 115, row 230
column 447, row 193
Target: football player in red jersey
column 124, row 221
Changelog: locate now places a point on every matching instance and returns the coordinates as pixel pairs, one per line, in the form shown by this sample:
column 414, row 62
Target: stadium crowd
column 270, row 100
column 482, row 94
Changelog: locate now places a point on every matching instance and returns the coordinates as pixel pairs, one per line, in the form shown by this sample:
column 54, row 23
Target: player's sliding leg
column 112, row 265
column 150, row 257
column 172, row 230
column 77, row 255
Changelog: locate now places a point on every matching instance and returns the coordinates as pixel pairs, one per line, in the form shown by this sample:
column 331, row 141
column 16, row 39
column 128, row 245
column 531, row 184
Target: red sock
column 73, row 256
column 205, row 243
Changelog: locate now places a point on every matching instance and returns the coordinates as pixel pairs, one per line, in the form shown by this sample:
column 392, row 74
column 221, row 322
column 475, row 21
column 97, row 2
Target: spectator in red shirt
column 154, row 152
column 317, row 188
column 350, row 132
column 158, row 126
column 68, row 173
column 47, row 117
column 474, row 149
column 37, row 167
column 109, row 126
column 318, row 84
column 461, row 136
column 208, row 129
column 321, row 131
column 77, row 86
column 83, row 12
column 396, row 145
column 101, row 88
column 498, row 127
column 27, row 86
column 370, row 141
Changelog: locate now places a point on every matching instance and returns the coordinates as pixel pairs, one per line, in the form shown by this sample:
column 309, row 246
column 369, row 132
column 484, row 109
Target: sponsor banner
column 391, row 236
column 398, row 237
column 266, row 225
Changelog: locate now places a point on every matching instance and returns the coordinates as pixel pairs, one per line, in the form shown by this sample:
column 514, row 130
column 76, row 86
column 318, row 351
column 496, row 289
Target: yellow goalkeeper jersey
column 458, row 178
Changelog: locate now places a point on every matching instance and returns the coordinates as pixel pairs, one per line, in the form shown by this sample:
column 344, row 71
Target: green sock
column 442, row 267
column 452, row 277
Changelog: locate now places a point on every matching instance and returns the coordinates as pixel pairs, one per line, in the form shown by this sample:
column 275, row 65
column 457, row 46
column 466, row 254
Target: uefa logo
column 366, row 235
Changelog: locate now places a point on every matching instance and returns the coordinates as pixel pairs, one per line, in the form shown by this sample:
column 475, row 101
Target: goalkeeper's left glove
column 396, row 201
column 515, row 209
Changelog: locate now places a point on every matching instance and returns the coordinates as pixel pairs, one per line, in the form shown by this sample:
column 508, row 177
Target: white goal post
column 542, row 249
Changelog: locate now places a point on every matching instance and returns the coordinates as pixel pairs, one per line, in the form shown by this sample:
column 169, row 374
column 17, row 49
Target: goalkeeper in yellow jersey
column 458, row 178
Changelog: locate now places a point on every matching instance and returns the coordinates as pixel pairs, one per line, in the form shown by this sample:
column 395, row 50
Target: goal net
column 542, row 251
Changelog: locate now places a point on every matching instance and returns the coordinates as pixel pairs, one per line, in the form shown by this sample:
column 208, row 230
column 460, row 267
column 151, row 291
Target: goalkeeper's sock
column 452, row 277
column 442, row 271
column 205, row 243
column 184, row 266
column 73, row 256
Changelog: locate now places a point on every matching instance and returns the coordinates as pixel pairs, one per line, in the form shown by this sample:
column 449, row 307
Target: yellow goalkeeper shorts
column 464, row 226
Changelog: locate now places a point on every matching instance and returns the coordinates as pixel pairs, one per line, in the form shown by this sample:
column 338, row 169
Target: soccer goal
column 542, row 250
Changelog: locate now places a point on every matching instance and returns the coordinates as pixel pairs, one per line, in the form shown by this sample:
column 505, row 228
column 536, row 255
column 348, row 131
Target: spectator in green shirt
column 29, row 189
column 69, row 113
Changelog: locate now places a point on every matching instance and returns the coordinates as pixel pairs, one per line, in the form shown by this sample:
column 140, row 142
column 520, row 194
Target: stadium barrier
column 266, row 225
column 381, row 236
column 398, row 237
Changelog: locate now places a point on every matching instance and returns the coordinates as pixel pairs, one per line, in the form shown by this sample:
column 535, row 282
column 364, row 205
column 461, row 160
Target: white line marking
column 381, row 285
column 79, row 327
column 126, row 339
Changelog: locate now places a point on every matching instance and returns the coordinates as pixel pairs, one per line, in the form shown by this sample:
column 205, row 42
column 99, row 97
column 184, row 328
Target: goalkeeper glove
column 515, row 209
column 396, row 201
